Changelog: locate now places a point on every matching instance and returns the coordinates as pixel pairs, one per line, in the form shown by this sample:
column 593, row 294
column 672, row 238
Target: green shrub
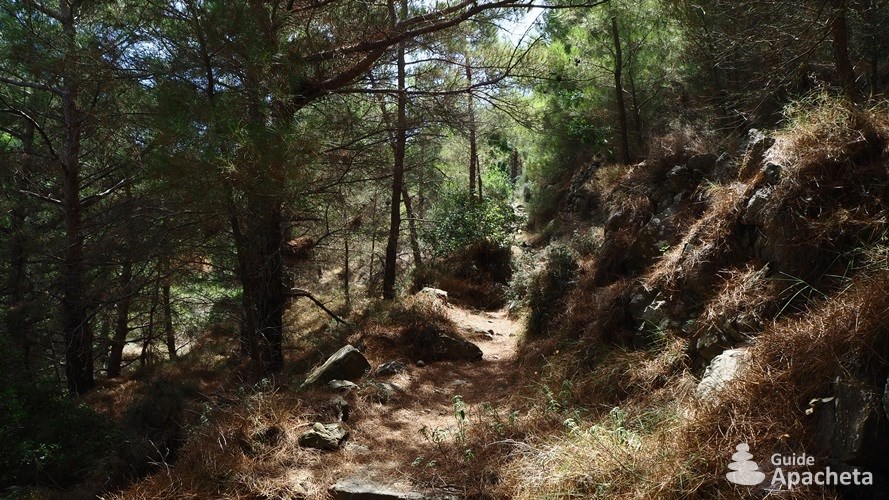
column 549, row 287
column 460, row 219
column 47, row 438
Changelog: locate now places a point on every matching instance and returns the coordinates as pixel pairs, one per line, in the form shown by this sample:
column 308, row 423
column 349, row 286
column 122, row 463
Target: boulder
column 434, row 293
column 447, row 348
column 852, row 426
column 325, row 436
column 346, row 364
column 724, row 368
column 391, row 368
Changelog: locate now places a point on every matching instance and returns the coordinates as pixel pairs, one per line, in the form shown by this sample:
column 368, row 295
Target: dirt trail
column 387, row 438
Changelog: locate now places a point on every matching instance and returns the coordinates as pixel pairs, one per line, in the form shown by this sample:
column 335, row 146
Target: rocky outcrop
column 755, row 150
column 346, row 364
column 327, row 437
column 853, row 425
column 724, row 368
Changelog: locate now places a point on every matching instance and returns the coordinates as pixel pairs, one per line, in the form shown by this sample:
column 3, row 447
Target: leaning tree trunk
column 75, row 320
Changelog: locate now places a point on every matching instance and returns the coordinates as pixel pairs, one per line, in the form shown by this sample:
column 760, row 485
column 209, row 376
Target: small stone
column 341, row 385
column 328, row 437
column 391, row 368
column 421, row 363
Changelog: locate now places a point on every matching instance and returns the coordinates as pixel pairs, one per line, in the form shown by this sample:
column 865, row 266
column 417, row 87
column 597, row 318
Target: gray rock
column 447, row 348
column 852, row 425
column 357, row 488
column 391, row 368
column 325, row 436
column 724, row 368
column 725, row 169
column 340, row 408
column 658, row 234
column 772, row 172
column 346, row 364
column 421, row 363
column 754, row 152
column 383, row 392
column 341, row 385
column 755, row 210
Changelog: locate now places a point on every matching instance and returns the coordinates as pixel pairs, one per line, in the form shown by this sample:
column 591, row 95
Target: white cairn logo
column 744, row 470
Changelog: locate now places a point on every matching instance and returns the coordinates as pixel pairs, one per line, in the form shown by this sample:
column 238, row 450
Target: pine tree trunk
column 411, row 226
column 18, row 282
column 474, row 174
column 619, row 94
column 391, row 260
column 840, row 32
column 169, row 334
column 75, row 321
column 122, row 324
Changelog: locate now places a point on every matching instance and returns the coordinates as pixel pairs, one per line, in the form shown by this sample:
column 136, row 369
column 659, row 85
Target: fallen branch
column 299, row 292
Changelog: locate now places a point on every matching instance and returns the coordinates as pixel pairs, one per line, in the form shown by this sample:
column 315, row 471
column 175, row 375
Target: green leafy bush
column 549, row 288
column 460, row 219
column 47, row 438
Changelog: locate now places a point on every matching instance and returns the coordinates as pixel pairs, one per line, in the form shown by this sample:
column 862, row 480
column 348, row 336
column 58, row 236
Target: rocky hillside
column 721, row 298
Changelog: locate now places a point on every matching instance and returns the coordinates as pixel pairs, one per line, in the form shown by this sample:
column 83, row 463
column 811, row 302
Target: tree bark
column 122, row 324
column 17, row 322
column 75, row 321
column 391, row 260
column 474, row 173
column 840, row 31
column 619, row 94
column 169, row 334
column 411, row 226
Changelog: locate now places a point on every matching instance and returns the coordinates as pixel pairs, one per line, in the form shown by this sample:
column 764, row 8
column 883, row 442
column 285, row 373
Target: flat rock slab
column 362, row 489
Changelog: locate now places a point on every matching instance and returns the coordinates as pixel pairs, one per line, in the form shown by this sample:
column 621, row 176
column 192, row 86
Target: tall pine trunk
column 391, row 259
column 619, row 94
column 17, row 282
column 75, row 320
column 840, row 32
